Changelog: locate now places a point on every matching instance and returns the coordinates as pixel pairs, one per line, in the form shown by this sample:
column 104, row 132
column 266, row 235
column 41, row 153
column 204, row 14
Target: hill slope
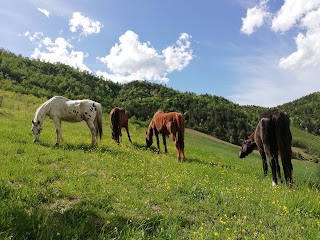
column 126, row 192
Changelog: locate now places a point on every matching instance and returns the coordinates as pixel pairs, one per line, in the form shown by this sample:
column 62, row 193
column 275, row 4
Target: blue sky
column 255, row 52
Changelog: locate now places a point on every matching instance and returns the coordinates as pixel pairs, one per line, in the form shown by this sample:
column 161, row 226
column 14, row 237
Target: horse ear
column 32, row 121
column 38, row 122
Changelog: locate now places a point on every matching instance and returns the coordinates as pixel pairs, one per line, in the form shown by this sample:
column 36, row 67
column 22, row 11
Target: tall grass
column 73, row 191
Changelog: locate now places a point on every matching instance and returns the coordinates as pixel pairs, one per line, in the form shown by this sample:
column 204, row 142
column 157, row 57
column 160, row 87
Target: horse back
column 166, row 122
column 118, row 116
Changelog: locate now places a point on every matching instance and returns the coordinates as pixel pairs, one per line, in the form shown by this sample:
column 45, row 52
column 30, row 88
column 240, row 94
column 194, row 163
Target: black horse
column 272, row 135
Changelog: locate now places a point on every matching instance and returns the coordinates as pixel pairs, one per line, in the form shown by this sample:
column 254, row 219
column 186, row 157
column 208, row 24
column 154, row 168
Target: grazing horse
column 166, row 124
column 119, row 120
column 272, row 135
column 62, row 109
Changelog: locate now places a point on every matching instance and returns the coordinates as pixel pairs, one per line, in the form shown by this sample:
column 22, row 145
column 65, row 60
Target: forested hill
column 210, row 114
column 305, row 112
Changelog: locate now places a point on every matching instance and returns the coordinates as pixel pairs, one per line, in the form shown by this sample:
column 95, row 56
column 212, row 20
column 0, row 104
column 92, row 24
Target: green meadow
column 73, row 191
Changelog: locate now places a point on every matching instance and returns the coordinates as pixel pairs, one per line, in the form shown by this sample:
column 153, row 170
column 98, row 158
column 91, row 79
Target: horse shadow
column 76, row 147
column 140, row 146
column 210, row 164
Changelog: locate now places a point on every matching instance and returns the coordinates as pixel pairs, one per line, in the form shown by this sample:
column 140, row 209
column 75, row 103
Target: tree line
column 210, row 114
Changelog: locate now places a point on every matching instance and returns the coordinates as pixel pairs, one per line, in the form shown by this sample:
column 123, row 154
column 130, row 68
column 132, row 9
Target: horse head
column 149, row 135
column 247, row 147
column 36, row 130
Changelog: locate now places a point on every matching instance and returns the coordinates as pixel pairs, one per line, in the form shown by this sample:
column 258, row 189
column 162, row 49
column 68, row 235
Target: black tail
column 284, row 139
column 115, row 123
column 181, row 129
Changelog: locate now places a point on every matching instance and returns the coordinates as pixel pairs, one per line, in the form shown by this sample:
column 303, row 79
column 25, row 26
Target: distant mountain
column 210, row 114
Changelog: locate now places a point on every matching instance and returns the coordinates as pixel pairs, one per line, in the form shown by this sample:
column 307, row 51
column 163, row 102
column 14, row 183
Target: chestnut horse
column 119, row 120
column 272, row 135
column 166, row 124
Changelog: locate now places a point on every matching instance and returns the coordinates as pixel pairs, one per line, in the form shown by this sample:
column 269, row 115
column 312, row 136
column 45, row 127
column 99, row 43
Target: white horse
column 62, row 109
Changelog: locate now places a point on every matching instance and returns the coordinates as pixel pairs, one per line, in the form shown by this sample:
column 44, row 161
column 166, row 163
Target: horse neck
column 150, row 130
column 252, row 137
column 42, row 112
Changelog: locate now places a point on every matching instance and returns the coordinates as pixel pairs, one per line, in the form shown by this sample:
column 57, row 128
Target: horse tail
column 284, row 141
column 98, row 120
column 115, row 119
column 181, row 128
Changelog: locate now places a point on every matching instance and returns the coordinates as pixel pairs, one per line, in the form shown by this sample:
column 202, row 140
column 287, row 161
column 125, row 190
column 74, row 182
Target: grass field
column 72, row 191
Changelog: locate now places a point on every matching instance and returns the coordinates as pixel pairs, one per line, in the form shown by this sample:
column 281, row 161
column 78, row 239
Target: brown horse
column 119, row 120
column 272, row 135
column 166, row 124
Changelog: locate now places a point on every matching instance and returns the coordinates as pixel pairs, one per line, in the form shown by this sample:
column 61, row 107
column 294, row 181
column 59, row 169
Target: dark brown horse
column 272, row 135
column 119, row 120
column 166, row 124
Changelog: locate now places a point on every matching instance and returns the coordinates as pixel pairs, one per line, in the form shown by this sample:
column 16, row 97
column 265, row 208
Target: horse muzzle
column 242, row 155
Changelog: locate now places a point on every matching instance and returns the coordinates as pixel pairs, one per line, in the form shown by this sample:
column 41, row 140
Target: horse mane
column 150, row 128
column 38, row 112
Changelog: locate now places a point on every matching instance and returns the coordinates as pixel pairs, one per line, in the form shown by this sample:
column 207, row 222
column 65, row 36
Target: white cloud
column 300, row 15
column 308, row 44
column 60, row 51
column 291, row 12
column 179, row 56
column 131, row 60
column 85, row 25
column 35, row 37
column 307, row 54
column 254, row 19
column 263, row 83
column 44, row 11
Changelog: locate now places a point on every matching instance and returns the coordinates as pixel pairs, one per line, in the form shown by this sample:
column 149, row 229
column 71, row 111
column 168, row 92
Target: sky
column 251, row 52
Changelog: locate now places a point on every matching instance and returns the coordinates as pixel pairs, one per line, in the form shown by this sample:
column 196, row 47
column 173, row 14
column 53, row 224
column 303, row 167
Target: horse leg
column 165, row 143
column 264, row 162
column 127, row 129
column 177, row 144
column 57, row 123
column 157, row 138
column 273, row 163
column 92, row 128
column 278, row 166
column 118, row 134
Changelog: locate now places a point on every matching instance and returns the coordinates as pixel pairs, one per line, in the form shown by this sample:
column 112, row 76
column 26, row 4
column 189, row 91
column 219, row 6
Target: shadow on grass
column 81, row 221
column 75, row 147
column 210, row 164
column 143, row 147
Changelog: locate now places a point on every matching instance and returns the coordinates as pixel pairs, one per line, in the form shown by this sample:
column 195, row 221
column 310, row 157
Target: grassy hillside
column 126, row 192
